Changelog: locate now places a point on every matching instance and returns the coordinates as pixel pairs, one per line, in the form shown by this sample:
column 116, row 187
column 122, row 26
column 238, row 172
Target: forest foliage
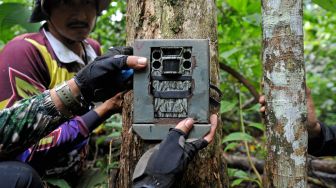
column 239, row 46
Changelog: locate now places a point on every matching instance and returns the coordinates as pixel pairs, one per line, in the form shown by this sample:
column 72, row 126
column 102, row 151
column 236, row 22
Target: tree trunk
column 173, row 19
column 284, row 88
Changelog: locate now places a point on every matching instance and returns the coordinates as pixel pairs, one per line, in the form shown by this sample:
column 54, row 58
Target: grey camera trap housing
column 174, row 86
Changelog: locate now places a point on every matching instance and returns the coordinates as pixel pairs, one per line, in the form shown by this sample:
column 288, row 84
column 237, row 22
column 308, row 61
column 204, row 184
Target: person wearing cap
column 34, row 62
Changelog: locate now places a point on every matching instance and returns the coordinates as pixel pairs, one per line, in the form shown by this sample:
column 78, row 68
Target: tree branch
column 241, row 79
column 241, row 162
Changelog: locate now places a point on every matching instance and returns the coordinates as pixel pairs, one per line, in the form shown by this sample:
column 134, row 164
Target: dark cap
column 39, row 14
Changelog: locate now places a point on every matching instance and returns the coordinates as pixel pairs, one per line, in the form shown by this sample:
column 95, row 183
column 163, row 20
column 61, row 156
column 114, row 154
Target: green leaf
column 231, row 171
column 227, row 106
column 114, row 164
column 241, row 174
column 114, row 134
column 236, row 182
column 228, row 53
column 254, row 7
column 238, row 5
column 116, row 125
column 61, row 183
column 254, row 108
column 100, row 140
column 327, row 4
column 230, row 146
column 254, row 19
column 13, row 14
column 238, row 136
column 259, row 126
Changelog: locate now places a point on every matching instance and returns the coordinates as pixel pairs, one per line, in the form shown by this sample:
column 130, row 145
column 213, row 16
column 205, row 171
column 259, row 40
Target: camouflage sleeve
column 26, row 122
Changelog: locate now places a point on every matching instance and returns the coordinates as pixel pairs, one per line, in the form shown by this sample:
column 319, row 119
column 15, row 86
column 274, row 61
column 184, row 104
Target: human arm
column 162, row 165
column 75, row 131
column 321, row 138
column 43, row 113
column 26, row 122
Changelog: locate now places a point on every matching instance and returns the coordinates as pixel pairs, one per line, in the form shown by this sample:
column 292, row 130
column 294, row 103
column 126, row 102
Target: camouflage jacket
column 25, row 123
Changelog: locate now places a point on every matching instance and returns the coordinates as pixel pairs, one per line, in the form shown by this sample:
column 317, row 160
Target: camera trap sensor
column 174, row 86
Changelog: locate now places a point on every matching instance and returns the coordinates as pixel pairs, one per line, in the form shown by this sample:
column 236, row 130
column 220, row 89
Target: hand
column 102, row 78
column 313, row 127
column 172, row 156
column 186, row 125
column 262, row 103
column 110, row 106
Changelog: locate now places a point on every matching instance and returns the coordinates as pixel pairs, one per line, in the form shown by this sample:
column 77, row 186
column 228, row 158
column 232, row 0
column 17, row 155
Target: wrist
column 101, row 110
column 105, row 110
column 68, row 99
column 314, row 131
column 73, row 87
column 59, row 104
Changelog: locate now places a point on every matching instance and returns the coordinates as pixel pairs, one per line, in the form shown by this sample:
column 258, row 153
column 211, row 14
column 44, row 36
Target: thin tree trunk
column 173, row 19
column 284, row 88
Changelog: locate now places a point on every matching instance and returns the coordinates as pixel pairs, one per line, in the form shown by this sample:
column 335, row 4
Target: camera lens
column 157, row 54
column 156, row 64
column 187, row 64
column 187, row 55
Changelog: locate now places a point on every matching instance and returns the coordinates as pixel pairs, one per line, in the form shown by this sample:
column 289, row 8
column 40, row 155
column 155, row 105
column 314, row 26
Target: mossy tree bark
column 284, row 88
column 173, row 19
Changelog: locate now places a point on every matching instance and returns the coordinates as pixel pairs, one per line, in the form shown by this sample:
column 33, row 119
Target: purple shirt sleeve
column 67, row 137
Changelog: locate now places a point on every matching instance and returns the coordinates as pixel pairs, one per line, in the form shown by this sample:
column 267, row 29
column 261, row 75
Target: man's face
column 73, row 19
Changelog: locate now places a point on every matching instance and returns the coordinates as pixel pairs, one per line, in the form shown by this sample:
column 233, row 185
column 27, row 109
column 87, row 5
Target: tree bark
column 174, row 19
column 284, row 89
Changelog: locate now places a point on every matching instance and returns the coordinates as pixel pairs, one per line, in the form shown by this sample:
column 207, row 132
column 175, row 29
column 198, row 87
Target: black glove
column 106, row 76
column 164, row 164
column 119, row 50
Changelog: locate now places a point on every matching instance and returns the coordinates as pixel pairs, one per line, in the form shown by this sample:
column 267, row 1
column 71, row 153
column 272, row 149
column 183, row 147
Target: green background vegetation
column 240, row 45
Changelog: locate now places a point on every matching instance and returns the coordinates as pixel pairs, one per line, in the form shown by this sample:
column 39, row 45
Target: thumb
column 185, row 125
column 136, row 62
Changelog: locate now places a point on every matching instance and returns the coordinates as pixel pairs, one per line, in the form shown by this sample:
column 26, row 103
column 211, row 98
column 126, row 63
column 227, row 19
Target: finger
column 121, row 102
column 185, row 125
column 214, row 122
column 262, row 109
column 118, row 95
column 116, row 100
column 136, row 62
column 311, row 116
column 262, row 99
column 119, row 99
